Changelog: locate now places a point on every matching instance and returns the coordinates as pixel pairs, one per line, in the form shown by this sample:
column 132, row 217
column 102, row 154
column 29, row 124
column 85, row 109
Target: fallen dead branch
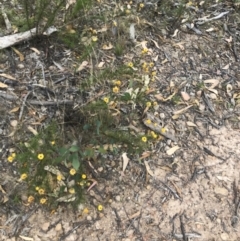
column 13, row 39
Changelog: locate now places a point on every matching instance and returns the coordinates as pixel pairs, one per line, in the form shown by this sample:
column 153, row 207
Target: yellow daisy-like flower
column 43, row 200
column 106, row 99
column 59, row 177
column 144, row 139
column 41, row 191
column 127, row 11
column 145, row 51
column 154, row 73
column 84, row 176
column 72, row 171
column 81, row 183
column 10, row 158
column 37, row 188
column 146, row 70
column 148, row 121
column 148, row 104
column 130, row 64
column 71, row 190
column 118, row 82
column 153, row 134
column 24, row 176
column 94, row 39
column 115, row 89
column 144, row 65
column 40, row 156
column 141, row 5
column 163, row 130
column 100, row 207
column 151, row 64
column 30, row 199
column 52, row 143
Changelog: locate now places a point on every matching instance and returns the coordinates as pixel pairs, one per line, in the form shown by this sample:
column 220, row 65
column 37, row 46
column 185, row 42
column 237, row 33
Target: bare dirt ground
column 193, row 194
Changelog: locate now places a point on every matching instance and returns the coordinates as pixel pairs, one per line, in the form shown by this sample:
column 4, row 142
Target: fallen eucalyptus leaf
column 172, row 150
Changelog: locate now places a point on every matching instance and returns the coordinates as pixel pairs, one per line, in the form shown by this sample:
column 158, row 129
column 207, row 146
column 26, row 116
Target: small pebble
column 118, row 198
column 89, row 218
column 162, row 115
column 24, row 197
column 113, row 164
column 21, row 66
column 169, row 142
column 224, row 236
column 100, row 169
column 52, row 67
column 45, row 226
column 58, row 227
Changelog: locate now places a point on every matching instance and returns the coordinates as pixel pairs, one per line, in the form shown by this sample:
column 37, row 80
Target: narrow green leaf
column 74, row 149
column 75, row 161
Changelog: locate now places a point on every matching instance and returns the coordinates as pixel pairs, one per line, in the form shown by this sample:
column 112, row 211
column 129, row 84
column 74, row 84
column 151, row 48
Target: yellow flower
column 71, row 190
column 145, row 50
column 115, row 89
column 153, row 134
column 155, row 103
column 72, row 171
column 100, row 207
column 10, row 158
column 144, row 139
column 146, row 70
column 81, row 183
column 106, row 99
column 59, row 177
column 141, row 5
column 163, row 130
column 85, row 211
column 117, row 82
column 130, row 64
column 23, row 176
column 148, row 121
column 36, row 188
column 144, row 65
column 30, row 199
column 40, row 156
column 84, row 176
column 94, row 39
column 127, row 11
column 43, row 200
column 154, row 73
column 148, row 104
column 151, row 64
column 41, row 191
column 52, row 143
